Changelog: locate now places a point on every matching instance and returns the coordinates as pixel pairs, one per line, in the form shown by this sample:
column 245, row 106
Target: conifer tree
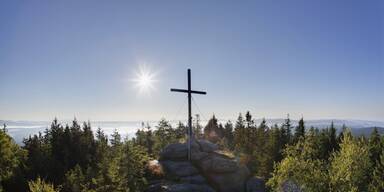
column 375, row 146
column 40, row 186
column 239, row 134
column 288, row 127
column 261, row 160
column 180, row 131
column 163, row 135
column 286, row 131
column 140, row 137
column 351, row 166
column 102, row 148
column 274, row 145
column 377, row 180
column 301, row 167
column 75, row 180
column 197, row 128
column 39, row 159
column 115, row 139
column 100, row 136
column 149, row 141
column 11, row 157
column 340, row 137
column 228, row 135
column 299, row 130
column 212, row 132
column 333, row 138
column 131, row 168
column 248, row 119
column 250, row 134
column 327, row 142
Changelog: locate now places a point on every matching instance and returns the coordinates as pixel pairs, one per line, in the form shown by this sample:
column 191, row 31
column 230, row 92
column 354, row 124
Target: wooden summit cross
column 189, row 91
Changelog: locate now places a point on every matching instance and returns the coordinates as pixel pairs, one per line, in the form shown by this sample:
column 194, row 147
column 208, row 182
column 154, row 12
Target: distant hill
column 324, row 123
column 366, row 131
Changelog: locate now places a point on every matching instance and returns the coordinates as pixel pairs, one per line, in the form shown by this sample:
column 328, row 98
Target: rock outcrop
column 208, row 171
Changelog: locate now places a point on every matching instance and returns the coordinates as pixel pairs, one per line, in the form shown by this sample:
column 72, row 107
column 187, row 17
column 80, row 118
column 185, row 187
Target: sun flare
column 144, row 80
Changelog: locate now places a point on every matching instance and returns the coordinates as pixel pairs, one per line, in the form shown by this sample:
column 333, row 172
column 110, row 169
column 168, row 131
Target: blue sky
column 319, row 59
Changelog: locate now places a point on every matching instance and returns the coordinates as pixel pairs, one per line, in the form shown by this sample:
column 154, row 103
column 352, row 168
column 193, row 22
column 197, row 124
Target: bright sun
column 144, row 80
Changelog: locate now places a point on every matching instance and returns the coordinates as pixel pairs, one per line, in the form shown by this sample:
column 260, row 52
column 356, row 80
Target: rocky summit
column 208, row 171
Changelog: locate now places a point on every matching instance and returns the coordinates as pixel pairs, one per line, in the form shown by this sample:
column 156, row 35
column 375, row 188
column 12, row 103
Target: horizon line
column 177, row 120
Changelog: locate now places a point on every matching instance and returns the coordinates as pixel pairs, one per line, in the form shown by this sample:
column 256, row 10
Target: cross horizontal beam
column 189, row 91
column 192, row 91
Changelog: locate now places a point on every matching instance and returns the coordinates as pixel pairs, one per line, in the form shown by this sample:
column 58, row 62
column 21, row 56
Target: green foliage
column 351, row 166
column 40, row 185
column 286, row 136
column 144, row 137
column 213, row 131
column 327, row 142
column 333, row 143
column 375, row 146
column 240, row 134
column 197, row 128
column 228, row 137
column 75, row 180
column 261, row 159
column 122, row 172
column 116, row 139
column 377, row 180
column 299, row 131
column 301, row 167
column 60, row 149
column 163, row 136
column 74, row 159
column 131, row 166
column 259, row 146
column 11, row 158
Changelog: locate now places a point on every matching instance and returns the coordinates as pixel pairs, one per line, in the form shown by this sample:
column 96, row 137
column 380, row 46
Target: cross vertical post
column 189, row 91
column 189, row 115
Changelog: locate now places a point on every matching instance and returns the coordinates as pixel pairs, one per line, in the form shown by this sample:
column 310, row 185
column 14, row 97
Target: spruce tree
column 286, row 131
column 375, row 146
column 239, row 134
column 11, row 158
column 333, row 138
column 40, row 185
column 377, row 180
column 163, row 135
column 180, row 131
column 261, row 160
column 300, row 167
column 250, row 134
column 149, row 140
column 248, row 119
column 274, row 144
column 340, row 137
column 299, row 131
column 350, row 166
column 228, row 135
column 116, row 139
column 212, row 132
column 197, row 128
